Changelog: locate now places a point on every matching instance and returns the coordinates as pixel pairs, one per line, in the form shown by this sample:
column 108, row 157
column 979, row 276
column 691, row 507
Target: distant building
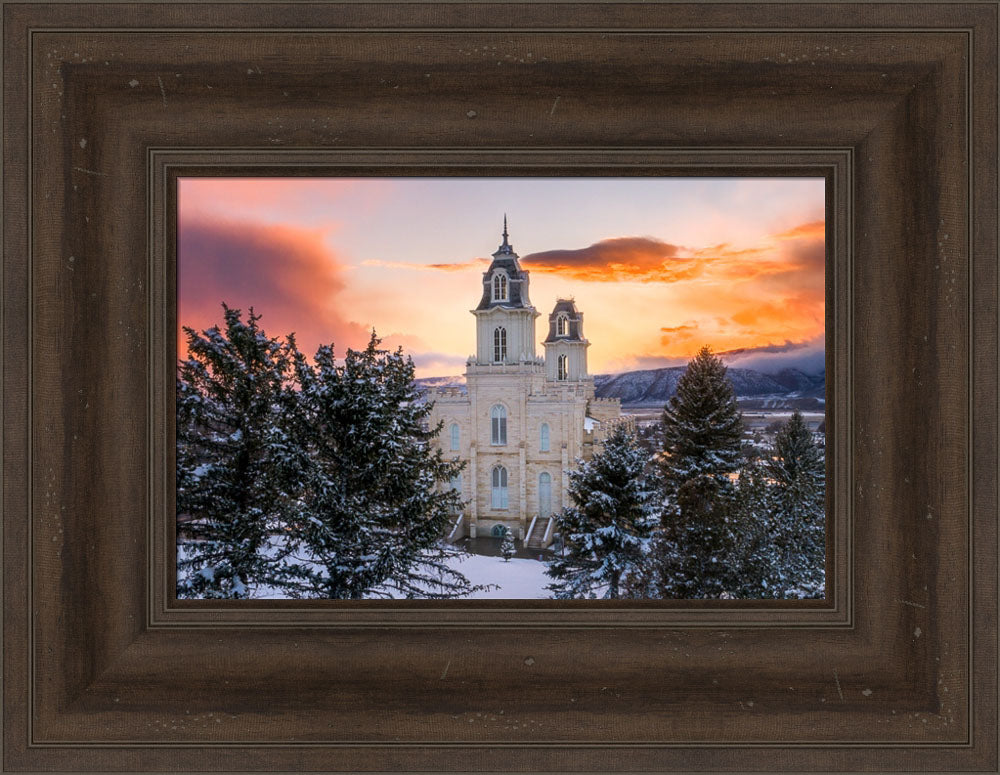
column 522, row 421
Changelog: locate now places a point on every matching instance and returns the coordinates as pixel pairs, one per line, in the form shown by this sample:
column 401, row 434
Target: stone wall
column 530, row 401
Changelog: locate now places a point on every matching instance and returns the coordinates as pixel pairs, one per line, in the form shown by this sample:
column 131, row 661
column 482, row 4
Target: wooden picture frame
column 105, row 104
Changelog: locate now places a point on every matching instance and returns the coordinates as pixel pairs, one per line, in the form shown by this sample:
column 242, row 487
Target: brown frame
column 895, row 103
column 167, row 165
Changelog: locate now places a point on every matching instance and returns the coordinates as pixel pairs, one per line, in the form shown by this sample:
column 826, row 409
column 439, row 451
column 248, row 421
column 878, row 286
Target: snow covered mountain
column 651, row 387
column 802, row 384
column 436, row 382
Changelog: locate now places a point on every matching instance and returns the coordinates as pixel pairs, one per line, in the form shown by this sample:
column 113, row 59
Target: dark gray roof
column 505, row 258
column 575, row 318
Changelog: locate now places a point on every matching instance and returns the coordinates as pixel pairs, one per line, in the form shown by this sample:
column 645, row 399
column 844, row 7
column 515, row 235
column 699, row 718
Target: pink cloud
column 287, row 274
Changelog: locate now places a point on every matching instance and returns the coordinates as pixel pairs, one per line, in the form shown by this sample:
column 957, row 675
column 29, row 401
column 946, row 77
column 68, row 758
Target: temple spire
column 505, row 246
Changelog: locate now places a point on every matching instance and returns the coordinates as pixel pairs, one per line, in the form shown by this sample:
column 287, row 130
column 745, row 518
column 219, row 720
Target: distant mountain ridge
column 654, row 387
column 436, row 382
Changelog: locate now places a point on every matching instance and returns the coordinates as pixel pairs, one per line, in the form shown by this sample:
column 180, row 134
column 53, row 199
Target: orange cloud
column 476, row 263
column 683, row 328
column 757, row 317
column 287, row 274
column 815, row 230
column 793, row 259
column 461, row 266
column 762, row 300
column 621, row 258
column 726, row 251
column 673, row 336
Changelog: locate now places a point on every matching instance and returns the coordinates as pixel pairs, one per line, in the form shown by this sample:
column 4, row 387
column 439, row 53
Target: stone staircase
column 537, row 534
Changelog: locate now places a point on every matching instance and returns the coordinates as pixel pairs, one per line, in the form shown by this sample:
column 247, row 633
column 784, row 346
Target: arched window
column 544, row 495
column 454, row 431
column 498, row 425
column 499, row 287
column 562, row 325
column 499, row 487
column 543, row 437
column 499, row 344
column 562, row 367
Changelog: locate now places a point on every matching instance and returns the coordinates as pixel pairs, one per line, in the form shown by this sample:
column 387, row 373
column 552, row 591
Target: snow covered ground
column 519, row 579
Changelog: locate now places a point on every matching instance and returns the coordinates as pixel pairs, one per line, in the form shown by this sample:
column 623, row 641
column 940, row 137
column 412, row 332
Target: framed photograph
column 478, row 447
column 466, row 387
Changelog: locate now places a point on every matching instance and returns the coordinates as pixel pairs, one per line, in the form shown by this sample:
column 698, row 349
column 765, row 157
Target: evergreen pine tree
column 753, row 561
column 797, row 471
column 607, row 530
column 507, row 548
column 702, row 427
column 796, row 455
column 235, row 465
column 376, row 496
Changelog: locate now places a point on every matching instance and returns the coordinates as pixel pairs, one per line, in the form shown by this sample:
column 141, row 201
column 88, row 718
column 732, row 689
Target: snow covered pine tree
column 607, row 530
column 753, row 561
column 375, row 500
column 235, row 467
column 507, row 548
column 702, row 427
column 798, row 503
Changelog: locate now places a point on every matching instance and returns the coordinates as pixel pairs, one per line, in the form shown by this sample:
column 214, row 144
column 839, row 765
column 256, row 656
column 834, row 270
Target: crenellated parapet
column 450, row 392
column 523, row 366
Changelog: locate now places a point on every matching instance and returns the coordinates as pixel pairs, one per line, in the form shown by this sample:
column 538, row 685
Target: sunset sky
column 658, row 266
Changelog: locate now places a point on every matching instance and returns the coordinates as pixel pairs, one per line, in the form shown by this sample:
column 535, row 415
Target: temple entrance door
column 544, row 495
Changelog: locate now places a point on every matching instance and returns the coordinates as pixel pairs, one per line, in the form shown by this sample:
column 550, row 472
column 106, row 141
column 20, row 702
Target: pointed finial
column 505, row 247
